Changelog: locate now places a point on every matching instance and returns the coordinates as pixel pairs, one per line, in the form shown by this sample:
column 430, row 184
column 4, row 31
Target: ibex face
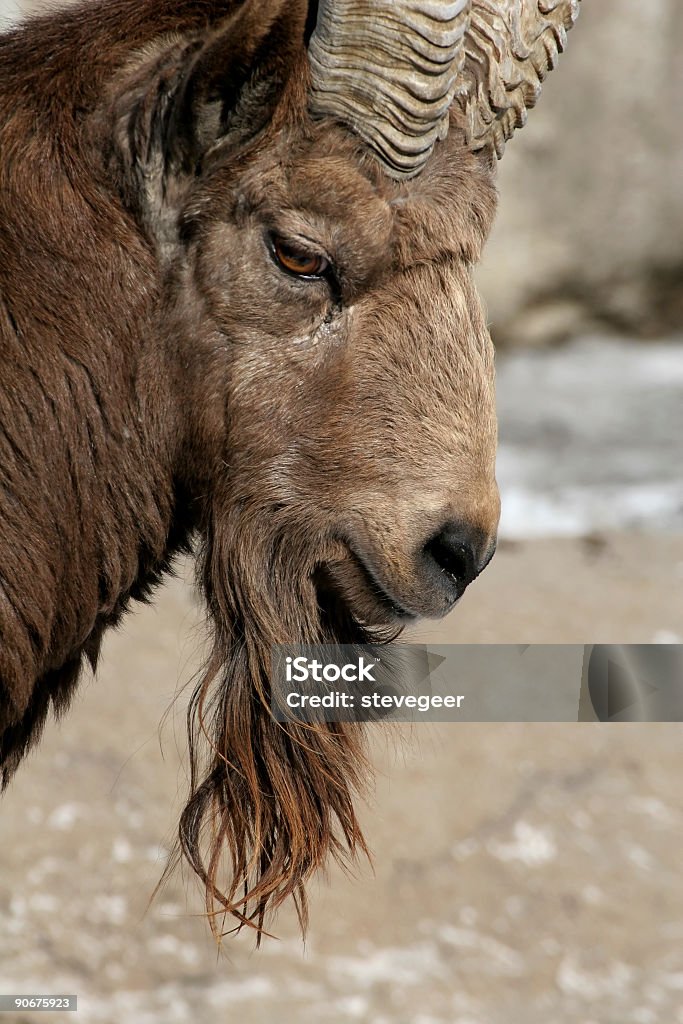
column 344, row 366
column 342, row 372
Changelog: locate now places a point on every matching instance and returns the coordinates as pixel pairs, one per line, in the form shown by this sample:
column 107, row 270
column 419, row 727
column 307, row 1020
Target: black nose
column 459, row 552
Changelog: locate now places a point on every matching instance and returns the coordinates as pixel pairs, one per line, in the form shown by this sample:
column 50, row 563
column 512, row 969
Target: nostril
column 453, row 556
column 459, row 552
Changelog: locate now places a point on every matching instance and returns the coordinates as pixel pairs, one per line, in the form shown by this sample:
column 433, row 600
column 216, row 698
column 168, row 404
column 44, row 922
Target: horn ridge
column 389, row 70
column 510, row 48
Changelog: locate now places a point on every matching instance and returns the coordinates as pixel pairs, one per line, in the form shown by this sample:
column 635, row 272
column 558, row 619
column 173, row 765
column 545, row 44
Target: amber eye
column 297, row 261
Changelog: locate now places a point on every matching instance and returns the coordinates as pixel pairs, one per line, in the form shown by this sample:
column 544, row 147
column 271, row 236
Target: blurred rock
column 546, row 322
column 591, row 205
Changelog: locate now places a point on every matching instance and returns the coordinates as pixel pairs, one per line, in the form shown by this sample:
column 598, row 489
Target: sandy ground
column 522, row 873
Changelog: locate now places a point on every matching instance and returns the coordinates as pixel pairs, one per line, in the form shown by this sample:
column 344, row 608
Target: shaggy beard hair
column 270, row 801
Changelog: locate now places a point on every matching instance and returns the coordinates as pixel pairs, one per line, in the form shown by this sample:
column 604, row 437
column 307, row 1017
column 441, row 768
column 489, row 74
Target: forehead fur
column 324, row 171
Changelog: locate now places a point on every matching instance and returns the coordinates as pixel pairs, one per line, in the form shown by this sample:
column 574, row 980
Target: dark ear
column 231, row 86
column 186, row 97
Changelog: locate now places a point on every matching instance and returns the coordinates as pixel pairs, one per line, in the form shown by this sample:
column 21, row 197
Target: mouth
column 376, row 588
column 351, row 589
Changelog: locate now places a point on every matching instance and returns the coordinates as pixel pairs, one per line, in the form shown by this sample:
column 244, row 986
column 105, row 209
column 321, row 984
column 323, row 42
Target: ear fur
column 233, row 84
column 183, row 98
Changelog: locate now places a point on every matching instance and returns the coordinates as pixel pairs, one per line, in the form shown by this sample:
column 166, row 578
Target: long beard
column 270, row 801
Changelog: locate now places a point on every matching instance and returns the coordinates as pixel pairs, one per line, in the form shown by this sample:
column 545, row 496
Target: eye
column 297, row 261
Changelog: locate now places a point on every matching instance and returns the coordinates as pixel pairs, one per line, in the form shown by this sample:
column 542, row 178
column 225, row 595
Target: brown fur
column 162, row 379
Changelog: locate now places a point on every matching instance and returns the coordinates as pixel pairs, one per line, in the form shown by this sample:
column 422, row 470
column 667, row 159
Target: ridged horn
column 389, row 70
column 511, row 46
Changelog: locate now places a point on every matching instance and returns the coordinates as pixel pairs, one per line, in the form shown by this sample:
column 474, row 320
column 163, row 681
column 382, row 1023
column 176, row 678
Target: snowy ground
column 591, row 438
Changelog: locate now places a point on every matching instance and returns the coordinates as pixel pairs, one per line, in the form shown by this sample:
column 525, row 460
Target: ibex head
column 318, row 208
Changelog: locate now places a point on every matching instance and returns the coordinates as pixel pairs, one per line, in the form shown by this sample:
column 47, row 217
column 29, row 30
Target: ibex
column 237, row 315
